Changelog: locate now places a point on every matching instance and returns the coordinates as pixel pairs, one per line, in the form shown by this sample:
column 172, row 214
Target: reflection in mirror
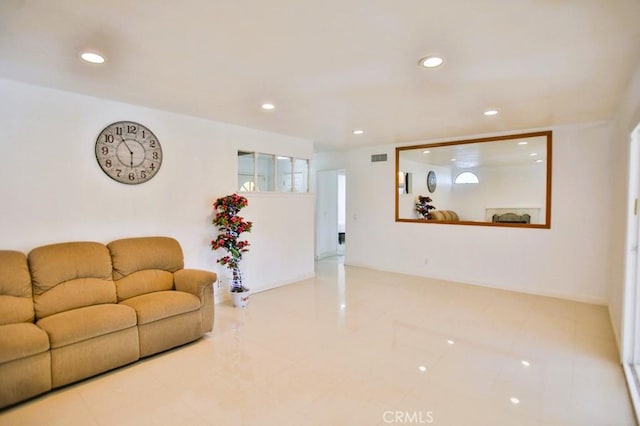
column 404, row 183
column 496, row 181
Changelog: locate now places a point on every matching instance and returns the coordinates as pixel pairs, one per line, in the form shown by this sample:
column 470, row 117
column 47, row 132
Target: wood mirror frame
column 498, row 158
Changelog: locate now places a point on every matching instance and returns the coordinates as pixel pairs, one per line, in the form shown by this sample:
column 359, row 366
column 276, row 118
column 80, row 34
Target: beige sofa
column 444, row 216
column 73, row 310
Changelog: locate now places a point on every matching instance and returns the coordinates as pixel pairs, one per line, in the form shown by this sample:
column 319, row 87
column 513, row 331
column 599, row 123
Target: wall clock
column 128, row 152
column 432, row 181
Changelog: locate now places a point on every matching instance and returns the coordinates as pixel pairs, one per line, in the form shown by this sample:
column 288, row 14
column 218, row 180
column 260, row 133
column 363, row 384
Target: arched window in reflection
column 466, row 177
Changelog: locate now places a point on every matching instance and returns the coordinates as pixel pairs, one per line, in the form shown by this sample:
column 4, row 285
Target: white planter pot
column 240, row 299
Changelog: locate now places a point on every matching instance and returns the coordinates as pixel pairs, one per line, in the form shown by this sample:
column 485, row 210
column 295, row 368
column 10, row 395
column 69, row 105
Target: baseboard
column 222, row 293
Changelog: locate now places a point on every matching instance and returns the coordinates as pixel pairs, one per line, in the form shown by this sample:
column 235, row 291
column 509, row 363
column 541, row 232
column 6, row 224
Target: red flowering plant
column 423, row 206
column 230, row 226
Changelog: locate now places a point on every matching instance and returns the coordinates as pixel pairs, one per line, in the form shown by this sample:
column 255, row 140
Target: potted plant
column 423, row 207
column 230, row 225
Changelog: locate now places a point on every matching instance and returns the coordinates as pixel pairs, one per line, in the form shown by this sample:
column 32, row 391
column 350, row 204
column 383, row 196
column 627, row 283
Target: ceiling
column 518, row 151
column 333, row 66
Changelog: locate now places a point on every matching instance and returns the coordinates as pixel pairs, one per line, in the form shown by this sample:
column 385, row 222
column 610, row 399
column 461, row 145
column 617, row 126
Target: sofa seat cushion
column 66, row 328
column 21, row 340
column 162, row 304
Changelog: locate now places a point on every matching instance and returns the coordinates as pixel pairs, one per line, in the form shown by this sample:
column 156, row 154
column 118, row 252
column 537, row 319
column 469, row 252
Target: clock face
column 431, row 181
column 128, row 152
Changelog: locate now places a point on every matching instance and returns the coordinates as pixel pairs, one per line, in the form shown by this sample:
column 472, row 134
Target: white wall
column 53, row 189
column 501, row 187
column 441, row 197
column 569, row 260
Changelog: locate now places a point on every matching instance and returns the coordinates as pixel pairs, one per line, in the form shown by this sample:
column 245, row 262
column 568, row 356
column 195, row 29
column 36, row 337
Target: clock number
column 108, row 138
column 119, row 131
column 153, row 166
column 144, row 135
column 132, row 176
column 152, row 143
column 118, row 172
column 108, row 163
column 143, row 174
column 104, row 150
column 131, row 129
column 155, row 155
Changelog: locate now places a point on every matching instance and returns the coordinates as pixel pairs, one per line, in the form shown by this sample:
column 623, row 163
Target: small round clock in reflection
column 432, row 181
column 128, row 152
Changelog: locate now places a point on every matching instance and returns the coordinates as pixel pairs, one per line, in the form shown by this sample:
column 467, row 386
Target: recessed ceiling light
column 426, row 152
column 451, row 342
column 533, row 154
column 422, row 368
column 92, row 57
column 490, row 112
column 453, row 159
column 268, row 106
column 525, row 363
column 358, row 132
column 523, row 143
column 431, row 61
column 538, row 161
column 514, row 400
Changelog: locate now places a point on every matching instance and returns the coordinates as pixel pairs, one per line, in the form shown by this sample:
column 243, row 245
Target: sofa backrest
column 16, row 304
column 70, row 275
column 144, row 265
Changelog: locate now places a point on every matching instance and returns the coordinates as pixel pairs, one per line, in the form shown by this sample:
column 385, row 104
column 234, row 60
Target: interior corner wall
column 53, row 189
column 568, row 261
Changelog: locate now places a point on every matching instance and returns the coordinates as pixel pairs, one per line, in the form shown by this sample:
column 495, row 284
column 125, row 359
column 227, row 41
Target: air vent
column 378, row 157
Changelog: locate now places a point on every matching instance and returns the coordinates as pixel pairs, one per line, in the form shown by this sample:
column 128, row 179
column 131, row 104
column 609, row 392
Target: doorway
column 631, row 308
column 330, row 213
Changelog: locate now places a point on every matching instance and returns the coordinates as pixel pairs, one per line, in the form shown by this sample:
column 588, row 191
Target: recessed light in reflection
column 343, row 306
column 422, row 368
column 451, row 342
column 268, row 106
column 490, row 112
column 92, row 57
column 431, row 61
column 514, row 400
column 525, row 363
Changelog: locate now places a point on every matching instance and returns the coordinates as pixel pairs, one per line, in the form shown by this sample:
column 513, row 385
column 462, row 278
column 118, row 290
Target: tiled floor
column 361, row 347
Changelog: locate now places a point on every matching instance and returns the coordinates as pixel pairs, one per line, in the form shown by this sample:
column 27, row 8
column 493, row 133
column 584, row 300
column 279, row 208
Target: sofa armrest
column 194, row 281
column 198, row 283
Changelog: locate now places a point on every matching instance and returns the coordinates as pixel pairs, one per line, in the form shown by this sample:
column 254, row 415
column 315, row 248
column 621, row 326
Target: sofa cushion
column 143, row 282
column 85, row 323
column 70, row 275
column 162, row 304
column 16, row 304
column 136, row 254
column 21, row 340
column 144, row 265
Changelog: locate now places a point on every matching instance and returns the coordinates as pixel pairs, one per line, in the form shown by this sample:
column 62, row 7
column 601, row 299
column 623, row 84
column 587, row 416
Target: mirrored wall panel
column 495, row 181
